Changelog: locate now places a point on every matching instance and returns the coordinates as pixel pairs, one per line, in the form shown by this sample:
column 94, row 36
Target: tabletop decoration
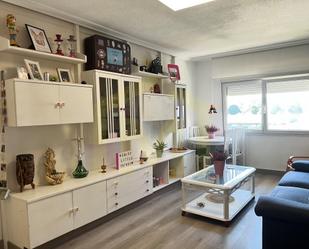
column 159, row 147
column 52, row 176
column 219, row 158
column 211, row 130
column 80, row 170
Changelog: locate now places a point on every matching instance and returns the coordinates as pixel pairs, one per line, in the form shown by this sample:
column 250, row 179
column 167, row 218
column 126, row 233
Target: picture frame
column 173, row 71
column 34, row 70
column 38, row 38
column 22, row 73
column 64, row 75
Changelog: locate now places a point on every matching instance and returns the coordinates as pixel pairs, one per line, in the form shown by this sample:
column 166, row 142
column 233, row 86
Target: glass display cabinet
column 117, row 100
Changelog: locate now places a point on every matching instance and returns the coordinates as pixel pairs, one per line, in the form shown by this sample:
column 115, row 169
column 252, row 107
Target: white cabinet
column 117, row 105
column 35, row 223
column 89, row 203
column 189, row 164
column 128, row 188
column 31, row 102
column 158, row 107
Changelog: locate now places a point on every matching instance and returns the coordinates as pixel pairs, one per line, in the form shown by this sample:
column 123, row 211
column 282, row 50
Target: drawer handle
column 147, row 181
column 116, row 193
column 115, row 183
column 57, row 105
column 116, row 203
column 147, row 190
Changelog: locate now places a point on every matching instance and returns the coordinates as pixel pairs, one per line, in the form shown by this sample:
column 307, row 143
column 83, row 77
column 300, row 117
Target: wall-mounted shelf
column 136, row 71
column 7, row 48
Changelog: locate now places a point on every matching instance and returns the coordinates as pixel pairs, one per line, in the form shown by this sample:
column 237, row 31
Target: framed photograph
column 173, row 71
column 34, row 69
column 64, row 75
column 38, row 38
column 22, row 73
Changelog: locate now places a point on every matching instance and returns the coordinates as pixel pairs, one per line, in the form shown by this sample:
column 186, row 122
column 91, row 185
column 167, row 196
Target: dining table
column 206, row 141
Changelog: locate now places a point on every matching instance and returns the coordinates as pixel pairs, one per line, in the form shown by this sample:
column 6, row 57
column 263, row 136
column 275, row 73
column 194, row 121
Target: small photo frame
column 38, row 38
column 64, row 75
column 173, row 71
column 34, row 69
column 22, row 73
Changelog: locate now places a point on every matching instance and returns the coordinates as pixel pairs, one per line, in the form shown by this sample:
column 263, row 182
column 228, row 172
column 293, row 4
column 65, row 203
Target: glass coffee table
column 222, row 198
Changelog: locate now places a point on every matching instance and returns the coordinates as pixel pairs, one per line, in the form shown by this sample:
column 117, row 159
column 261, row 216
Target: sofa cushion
column 301, row 165
column 299, row 195
column 295, row 179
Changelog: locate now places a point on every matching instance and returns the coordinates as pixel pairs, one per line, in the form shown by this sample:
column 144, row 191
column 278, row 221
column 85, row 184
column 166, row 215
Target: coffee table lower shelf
column 215, row 210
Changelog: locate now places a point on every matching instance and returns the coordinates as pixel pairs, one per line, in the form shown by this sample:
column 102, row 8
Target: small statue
column 25, row 170
column 103, row 167
column 11, row 25
column 52, row 176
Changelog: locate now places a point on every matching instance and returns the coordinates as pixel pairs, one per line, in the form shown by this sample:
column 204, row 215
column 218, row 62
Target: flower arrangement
column 219, row 155
column 211, row 128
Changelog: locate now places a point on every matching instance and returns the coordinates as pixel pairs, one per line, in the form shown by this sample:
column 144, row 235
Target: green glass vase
column 80, row 170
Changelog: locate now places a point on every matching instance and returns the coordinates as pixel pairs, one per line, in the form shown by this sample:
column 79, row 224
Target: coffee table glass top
column 232, row 174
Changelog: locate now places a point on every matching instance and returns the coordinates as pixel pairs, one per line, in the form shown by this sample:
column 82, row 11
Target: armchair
column 295, row 164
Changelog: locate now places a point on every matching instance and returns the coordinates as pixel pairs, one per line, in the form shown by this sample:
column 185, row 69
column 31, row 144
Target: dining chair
column 194, row 131
column 235, row 144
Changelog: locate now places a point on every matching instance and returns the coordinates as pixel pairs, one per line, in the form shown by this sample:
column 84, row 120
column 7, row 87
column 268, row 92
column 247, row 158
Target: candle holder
column 59, row 41
column 72, row 46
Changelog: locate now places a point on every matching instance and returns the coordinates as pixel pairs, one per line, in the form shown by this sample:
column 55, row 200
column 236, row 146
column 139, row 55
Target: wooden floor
column 158, row 224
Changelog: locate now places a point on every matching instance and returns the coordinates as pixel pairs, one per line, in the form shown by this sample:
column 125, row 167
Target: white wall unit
column 158, row 107
column 37, row 216
column 31, row 102
column 117, row 105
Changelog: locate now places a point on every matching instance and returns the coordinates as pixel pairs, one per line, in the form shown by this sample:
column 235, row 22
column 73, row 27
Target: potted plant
column 159, row 147
column 219, row 158
column 211, row 129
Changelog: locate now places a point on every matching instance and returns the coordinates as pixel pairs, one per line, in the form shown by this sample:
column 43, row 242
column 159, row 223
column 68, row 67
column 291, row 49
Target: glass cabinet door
column 132, row 108
column 181, row 107
column 109, row 101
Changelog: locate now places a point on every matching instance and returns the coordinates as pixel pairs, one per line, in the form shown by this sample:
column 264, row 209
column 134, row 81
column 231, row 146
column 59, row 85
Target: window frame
column 265, row 130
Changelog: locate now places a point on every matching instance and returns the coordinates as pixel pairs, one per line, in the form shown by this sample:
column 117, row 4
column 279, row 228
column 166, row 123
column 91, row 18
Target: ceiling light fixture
column 179, row 5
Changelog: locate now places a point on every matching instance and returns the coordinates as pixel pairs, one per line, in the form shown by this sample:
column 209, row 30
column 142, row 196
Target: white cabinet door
column 36, row 104
column 158, row 107
column 189, row 164
column 75, row 104
column 89, row 203
column 50, row 218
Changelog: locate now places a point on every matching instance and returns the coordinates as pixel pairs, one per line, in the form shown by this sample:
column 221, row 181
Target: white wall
column 262, row 151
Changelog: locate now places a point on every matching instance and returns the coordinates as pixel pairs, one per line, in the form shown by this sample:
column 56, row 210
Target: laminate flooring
column 158, row 224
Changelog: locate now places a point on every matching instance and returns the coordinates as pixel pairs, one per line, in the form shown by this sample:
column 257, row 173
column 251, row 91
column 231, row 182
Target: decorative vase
column 159, row 153
column 211, row 135
column 219, row 167
column 80, row 170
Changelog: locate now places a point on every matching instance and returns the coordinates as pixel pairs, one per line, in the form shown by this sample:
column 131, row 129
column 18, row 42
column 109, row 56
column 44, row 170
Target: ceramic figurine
column 80, row 170
column 11, row 25
column 25, row 170
column 52, row 176
column 72, row 48
column 59, row 40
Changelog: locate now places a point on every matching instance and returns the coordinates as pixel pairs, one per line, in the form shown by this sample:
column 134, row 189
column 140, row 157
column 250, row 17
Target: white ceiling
column 211, row 28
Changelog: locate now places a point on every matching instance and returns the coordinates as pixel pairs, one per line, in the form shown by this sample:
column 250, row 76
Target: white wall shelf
column 5, row 47
column 136, row 71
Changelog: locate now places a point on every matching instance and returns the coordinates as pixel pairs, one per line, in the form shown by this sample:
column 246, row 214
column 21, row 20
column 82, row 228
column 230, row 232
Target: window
column 287, row 105
column 244, row 105
column 268, row 105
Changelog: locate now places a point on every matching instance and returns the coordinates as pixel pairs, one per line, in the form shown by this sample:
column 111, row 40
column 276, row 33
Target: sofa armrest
column 282, row 209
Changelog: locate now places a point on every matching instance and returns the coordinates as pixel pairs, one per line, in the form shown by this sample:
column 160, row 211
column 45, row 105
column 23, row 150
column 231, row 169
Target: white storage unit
column 37, row 216
column 117, row 105
column 158, row 107
column 32, row 102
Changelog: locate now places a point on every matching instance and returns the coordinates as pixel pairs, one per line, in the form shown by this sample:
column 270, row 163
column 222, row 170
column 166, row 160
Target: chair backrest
column 235, row 143
column 182, row 138
column 194, row 131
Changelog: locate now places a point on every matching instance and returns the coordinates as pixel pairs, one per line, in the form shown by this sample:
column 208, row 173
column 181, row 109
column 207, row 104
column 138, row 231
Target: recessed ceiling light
column 183, row 4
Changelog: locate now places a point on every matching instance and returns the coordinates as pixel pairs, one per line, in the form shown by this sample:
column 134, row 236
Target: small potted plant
column 159, row 147
column 219, row 158
column 211, row 129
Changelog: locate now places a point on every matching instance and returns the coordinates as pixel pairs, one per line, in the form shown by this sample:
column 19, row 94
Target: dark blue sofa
column 285, row 211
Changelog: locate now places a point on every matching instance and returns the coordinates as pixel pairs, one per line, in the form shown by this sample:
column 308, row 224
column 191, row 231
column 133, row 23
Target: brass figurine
column 52, row 176
column 103, row 167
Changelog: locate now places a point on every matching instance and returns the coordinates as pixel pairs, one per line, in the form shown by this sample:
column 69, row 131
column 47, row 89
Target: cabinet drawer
column 50, row 218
